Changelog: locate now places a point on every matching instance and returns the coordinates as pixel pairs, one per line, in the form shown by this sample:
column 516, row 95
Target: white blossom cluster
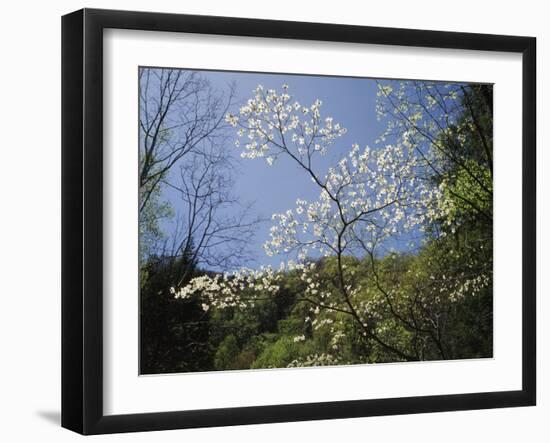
column 316, row 360
column 469, row 286
column 423, row 116
column 369, row 195
column 422, row 109
column 426, row 117
column 272, row 123
column 240, row 289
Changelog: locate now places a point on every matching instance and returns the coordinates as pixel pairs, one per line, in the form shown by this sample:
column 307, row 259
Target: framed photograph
column 270, row 221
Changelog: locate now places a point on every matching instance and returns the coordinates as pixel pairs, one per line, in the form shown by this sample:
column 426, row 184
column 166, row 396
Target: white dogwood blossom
column 239, row 289
column 437, row 120
column 316, row 360
column 272, row 123
column 367, row 197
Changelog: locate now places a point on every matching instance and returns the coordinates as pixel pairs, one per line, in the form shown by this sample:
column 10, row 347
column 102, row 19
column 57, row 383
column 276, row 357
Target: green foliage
column 470, row 185
column 149, row 227
column 282, row 352
column 226, row 353
column 174, row 334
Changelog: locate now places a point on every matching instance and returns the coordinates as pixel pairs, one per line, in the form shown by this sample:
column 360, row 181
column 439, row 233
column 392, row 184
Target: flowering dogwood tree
column 449, row 125
column 444, row 124
column 369, row 198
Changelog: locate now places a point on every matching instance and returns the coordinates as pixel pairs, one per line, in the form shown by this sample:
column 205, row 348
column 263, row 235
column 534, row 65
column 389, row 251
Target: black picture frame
column 82, row 215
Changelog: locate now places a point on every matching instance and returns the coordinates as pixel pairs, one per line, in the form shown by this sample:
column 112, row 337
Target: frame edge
column 72, row 118
column 529, row 220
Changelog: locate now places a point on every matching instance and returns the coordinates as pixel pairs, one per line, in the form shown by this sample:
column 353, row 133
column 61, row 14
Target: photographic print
column 301, row 221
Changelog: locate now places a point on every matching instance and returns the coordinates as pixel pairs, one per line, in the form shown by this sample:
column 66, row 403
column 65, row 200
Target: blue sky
column 350, row 101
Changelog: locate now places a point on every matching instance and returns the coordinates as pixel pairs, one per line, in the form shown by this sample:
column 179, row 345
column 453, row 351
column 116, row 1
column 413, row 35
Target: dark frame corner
column 82, row 348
